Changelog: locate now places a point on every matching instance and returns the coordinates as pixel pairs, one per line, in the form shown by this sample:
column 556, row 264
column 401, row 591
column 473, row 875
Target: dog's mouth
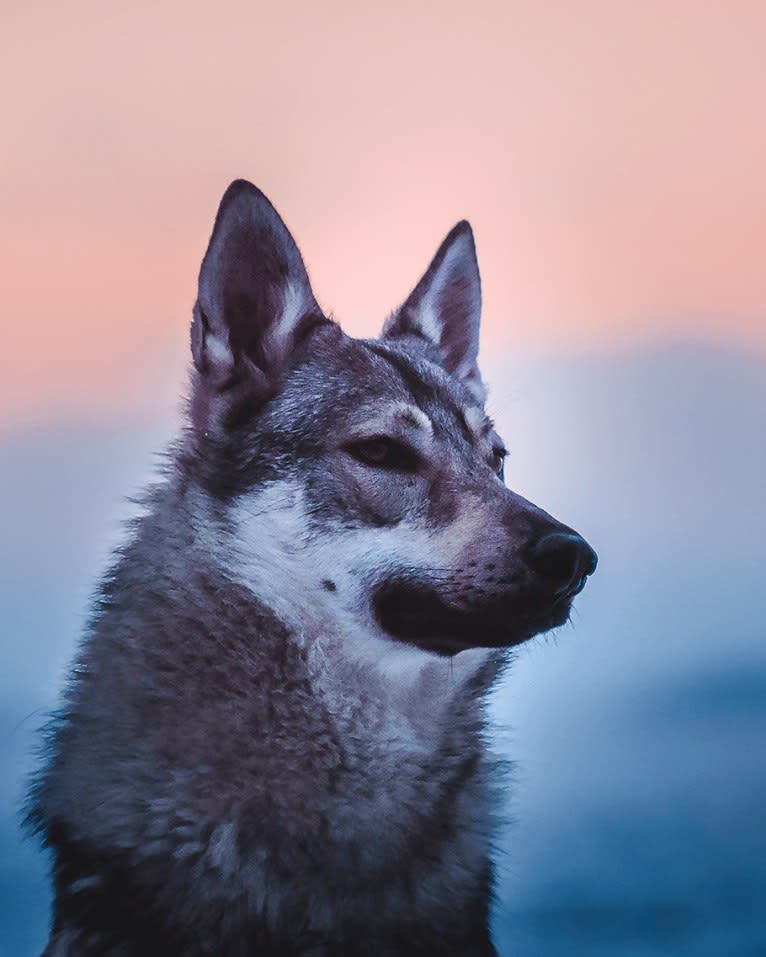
column 417, row 615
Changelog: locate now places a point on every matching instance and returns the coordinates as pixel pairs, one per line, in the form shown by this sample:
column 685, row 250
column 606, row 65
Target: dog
column 272, row 742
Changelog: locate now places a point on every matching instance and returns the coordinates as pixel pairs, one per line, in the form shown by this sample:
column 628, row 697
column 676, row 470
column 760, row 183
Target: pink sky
column 611, row 157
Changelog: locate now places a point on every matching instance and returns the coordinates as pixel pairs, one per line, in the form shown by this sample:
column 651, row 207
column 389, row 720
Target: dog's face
column 360, row 475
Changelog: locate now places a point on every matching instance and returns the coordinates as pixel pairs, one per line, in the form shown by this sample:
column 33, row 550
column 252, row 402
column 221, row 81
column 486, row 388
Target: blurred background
column 611, row 159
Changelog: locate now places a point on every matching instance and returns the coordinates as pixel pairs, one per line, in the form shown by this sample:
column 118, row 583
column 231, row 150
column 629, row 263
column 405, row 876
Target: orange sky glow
column 611, row 158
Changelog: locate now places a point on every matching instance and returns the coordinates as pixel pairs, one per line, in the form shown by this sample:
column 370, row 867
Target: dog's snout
column 562, row 558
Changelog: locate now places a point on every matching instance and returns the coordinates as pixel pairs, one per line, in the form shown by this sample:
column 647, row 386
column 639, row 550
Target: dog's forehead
column 344, row 382
column 388, row 416
column 434, row 399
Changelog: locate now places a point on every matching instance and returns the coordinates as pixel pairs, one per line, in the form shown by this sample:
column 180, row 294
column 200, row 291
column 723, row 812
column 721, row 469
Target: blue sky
column 639, row 789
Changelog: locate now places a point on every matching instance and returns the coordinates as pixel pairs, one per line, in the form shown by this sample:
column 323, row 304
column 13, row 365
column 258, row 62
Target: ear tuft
column 445, row 307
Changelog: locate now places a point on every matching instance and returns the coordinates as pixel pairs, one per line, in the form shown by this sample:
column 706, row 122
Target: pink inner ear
column 458, row 327
column 445, row 306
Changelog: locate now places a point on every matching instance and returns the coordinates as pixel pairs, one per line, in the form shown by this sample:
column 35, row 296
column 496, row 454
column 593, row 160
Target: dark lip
column 416, row 615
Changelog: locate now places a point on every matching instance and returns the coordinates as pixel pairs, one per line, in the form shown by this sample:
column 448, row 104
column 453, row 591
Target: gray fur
column 250, row 758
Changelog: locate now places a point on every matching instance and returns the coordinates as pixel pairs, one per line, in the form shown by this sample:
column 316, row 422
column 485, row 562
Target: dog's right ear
column 444, row 309
column 254, row 304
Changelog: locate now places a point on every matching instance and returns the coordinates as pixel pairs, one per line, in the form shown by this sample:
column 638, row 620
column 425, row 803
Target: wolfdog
column 272, row 742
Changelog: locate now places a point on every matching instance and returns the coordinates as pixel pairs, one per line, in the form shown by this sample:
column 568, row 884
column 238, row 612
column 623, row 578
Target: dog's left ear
column 445, row 308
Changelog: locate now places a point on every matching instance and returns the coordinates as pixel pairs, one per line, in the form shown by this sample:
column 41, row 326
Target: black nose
column 563, row 559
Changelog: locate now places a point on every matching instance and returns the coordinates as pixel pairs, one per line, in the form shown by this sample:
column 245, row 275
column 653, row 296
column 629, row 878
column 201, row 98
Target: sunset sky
column 611, row 158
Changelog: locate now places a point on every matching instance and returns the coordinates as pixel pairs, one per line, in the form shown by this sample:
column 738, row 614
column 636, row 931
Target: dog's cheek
column 389, row 498
column 360, row 497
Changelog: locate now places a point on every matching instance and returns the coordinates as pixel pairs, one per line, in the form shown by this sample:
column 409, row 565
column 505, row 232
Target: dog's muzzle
column 555, row 568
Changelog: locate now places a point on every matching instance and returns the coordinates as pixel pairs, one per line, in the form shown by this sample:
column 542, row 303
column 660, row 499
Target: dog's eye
column 498, row 460
column 383, row 452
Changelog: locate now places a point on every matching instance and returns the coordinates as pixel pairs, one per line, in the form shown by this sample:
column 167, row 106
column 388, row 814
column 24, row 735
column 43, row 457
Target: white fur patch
column 414, row 415
column 430, row 308
column 218, row 349
column 395, row 417
column 297, row 302
column 475, row 418
column 296, row 305
column 275, row 554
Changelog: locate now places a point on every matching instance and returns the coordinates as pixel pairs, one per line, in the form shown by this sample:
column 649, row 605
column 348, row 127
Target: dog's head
column 364, row 475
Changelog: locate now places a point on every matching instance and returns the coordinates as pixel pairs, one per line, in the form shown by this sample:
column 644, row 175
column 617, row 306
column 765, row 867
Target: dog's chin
column 417, row 615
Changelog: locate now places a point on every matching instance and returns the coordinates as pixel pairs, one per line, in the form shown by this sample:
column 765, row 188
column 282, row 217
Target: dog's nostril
column 562, row 558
